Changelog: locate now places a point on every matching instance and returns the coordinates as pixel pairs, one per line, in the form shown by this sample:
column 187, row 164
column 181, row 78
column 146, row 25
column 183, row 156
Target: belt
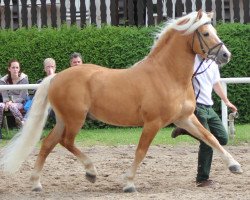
column 203, row 105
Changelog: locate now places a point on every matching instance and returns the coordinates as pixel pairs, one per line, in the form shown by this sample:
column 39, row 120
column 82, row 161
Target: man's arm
column 219, row 91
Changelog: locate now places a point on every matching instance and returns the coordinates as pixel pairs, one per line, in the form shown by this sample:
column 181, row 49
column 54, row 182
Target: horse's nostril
column 225, row 55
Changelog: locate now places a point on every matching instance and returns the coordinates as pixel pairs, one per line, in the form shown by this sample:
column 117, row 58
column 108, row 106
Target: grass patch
column 131, row 136
column 127, row 136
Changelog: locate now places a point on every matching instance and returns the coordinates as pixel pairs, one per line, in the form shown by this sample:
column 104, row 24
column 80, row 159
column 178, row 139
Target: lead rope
column 198, row 73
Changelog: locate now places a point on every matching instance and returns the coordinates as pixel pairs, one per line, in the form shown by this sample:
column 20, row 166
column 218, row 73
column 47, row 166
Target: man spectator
column 76, row 59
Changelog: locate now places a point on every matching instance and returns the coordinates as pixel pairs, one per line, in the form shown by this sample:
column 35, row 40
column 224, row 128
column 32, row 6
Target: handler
column 206, row 79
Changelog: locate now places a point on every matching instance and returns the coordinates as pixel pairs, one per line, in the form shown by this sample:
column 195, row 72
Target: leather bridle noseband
column 202, row 43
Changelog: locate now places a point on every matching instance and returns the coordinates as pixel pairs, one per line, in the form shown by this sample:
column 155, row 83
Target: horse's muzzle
column 223, row 57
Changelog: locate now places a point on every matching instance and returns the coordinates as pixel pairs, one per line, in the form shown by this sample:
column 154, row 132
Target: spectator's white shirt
column 206, row 80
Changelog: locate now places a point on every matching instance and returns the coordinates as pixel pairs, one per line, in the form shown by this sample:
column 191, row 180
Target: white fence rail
column 224, row 81
column 19, row 87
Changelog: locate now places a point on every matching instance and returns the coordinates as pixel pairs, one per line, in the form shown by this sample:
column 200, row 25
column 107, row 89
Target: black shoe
column 179, row 131
column 205, row 183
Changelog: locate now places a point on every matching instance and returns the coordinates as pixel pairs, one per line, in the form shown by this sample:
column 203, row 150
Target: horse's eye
column 206, row 34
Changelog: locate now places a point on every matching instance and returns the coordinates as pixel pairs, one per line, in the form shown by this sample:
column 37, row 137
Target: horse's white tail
column 25, row 140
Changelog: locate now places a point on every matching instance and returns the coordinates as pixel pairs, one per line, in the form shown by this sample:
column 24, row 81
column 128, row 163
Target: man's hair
column 75, row 55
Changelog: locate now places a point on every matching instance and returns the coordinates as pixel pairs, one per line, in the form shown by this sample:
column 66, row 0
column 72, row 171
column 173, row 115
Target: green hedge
column 237, row 38
column 110, row 46
column 116, row 47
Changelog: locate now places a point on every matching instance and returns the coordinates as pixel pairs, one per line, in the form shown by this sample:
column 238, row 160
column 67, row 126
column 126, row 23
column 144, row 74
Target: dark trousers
column 211, row 121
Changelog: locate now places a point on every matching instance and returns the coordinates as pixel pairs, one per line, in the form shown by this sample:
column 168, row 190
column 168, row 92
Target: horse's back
column 123, row 97
column 96, row 90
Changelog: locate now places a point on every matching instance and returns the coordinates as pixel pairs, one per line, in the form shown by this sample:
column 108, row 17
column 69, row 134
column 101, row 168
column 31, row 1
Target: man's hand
column 231, row 106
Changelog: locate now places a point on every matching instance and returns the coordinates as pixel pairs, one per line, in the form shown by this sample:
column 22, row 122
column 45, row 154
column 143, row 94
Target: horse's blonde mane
column 192, row 23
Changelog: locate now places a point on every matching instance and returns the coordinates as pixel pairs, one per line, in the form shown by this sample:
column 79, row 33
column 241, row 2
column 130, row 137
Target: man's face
column 75, row 61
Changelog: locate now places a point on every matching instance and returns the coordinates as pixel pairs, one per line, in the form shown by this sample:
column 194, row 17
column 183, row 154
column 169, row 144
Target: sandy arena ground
column 166, row 173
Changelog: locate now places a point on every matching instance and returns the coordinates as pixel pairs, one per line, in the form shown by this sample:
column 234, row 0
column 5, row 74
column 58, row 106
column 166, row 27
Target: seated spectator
column 76, row 59
column 13, row 100
column 49, row 66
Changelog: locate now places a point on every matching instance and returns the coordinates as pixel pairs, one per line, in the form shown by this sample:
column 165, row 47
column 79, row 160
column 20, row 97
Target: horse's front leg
column 149, row 131
column 194, row 127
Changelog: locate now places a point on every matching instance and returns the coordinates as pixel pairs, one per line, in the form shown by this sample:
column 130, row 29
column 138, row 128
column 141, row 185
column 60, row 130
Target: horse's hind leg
column 149, row 131
column 48, row 144
column 68, row 143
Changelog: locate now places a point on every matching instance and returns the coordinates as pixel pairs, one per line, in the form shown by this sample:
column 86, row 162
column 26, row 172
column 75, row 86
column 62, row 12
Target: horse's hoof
column 90, row 177
column 37, row 189
column 236, row 169
column 129, row 189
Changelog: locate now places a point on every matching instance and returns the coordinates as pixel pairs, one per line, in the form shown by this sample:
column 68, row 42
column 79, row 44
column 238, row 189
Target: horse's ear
column 210, row 14
column 199, row 14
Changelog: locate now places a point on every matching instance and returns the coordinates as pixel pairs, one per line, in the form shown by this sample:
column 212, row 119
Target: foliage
column 116, row 47
column 237, row 38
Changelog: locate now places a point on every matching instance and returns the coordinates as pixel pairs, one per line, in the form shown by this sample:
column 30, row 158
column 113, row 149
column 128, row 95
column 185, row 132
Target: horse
column 153, row 93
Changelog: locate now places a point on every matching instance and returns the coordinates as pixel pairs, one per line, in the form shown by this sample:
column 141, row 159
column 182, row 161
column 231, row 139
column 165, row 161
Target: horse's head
column 206, row 42
column 201, row 35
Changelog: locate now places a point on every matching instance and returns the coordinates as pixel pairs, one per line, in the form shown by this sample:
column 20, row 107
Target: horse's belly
column 117, row 115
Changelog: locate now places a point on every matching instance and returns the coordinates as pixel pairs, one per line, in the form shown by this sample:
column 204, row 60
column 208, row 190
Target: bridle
column 203, row 43
column 209, row 55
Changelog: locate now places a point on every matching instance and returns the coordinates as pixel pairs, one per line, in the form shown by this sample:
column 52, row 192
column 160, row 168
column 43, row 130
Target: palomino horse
column 153, row 93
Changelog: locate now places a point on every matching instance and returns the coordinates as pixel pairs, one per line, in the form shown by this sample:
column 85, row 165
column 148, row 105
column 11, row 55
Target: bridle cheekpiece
column 203, row 44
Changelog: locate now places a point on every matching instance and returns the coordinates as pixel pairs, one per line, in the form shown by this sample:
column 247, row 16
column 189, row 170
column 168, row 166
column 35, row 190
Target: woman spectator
column 13, row 100
column 49, row 67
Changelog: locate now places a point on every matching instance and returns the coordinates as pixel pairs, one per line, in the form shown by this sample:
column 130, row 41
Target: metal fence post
column 224, row 112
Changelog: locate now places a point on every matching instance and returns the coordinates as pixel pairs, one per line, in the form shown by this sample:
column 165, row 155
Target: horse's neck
column 174, row 55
